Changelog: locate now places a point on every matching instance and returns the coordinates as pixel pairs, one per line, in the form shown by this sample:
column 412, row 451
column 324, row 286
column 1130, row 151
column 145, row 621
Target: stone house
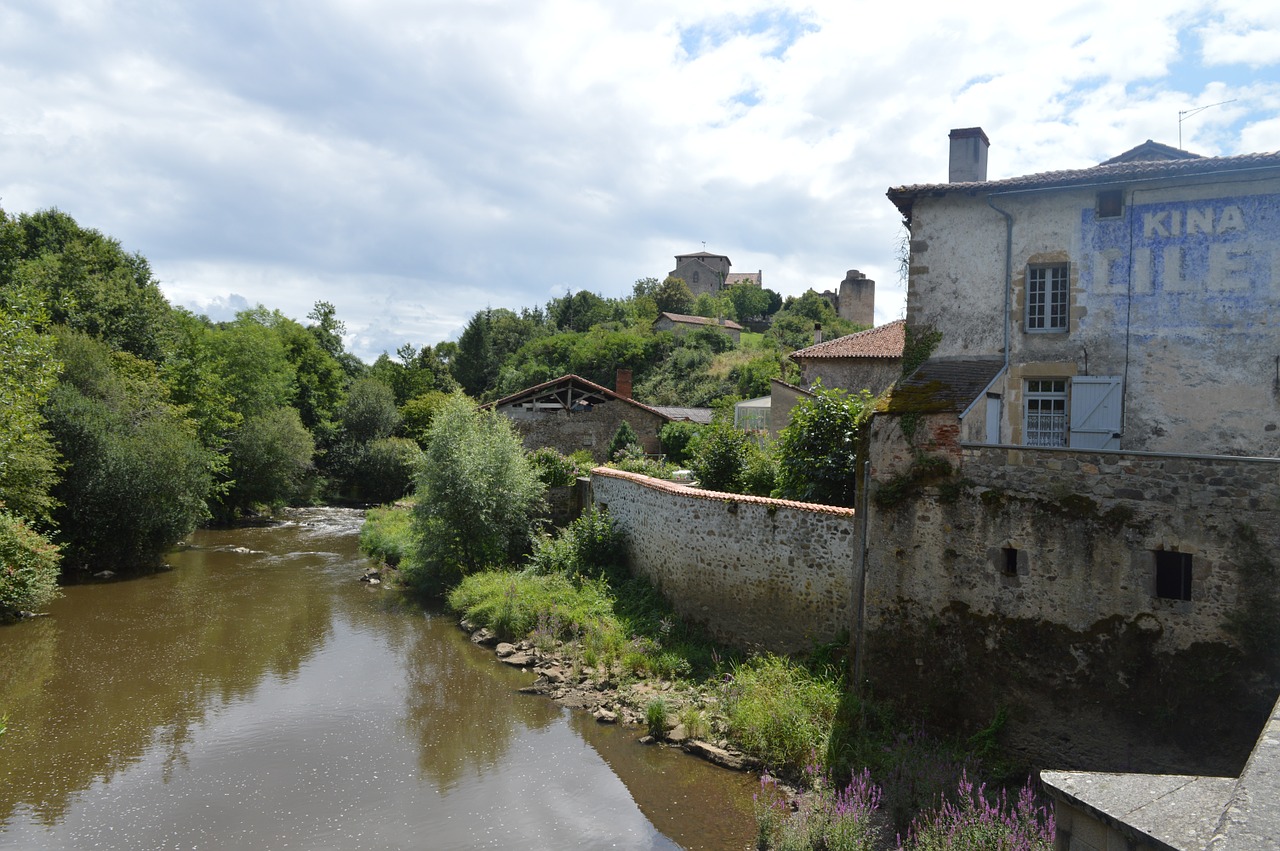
column 870, row 360
column 571, row 413
column 681, row 323
column 1071, row 502
column 704, row 272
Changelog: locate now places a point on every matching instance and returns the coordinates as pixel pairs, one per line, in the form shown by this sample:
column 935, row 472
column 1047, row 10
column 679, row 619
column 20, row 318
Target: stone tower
column 857, row 300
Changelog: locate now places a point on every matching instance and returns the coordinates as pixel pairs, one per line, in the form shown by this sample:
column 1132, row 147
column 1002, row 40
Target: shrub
column 514, row 604
column 270, row 459
column 722, row 457
column 477, row 496
column 555, row 470
column 760, row 473
column 676, row 439
column 832, row 820
column 624, row 437
column 588, row 546
column 28, row 567
column 780, row 712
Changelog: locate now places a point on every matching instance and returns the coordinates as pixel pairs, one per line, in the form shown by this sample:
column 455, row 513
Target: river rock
column 606, row 716
column 517, row 660
column 483, row 635
column 553, row 673
column 717, row 755
column 104, row 574
column 504, row 649
column 678, row 735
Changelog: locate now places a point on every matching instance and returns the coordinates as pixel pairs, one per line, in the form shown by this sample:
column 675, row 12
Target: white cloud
column 413, row 163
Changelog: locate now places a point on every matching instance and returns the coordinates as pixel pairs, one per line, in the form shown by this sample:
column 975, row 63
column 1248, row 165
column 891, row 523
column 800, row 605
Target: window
column 1046, row 412
column 695, row 277
column 1173, row 575
column 1110, row 204
column 1009, row 561
column 1047, row 288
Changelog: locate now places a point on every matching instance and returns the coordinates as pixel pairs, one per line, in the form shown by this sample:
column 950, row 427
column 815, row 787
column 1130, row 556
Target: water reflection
column 257, row 696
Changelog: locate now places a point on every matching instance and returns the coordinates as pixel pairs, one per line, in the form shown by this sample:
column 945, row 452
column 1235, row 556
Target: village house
column 866, row 360
column 1071, row 501
column 681, row 324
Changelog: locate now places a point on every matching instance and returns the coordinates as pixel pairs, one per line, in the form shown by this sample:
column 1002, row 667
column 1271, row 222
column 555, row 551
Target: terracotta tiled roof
column 685, row 319
column 565, row 381
column 701, row 416
column 1110, row 172
column 885, row 341
column 738, row 277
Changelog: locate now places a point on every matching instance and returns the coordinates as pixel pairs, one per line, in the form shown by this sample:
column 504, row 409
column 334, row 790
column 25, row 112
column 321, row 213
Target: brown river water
column 267, row 699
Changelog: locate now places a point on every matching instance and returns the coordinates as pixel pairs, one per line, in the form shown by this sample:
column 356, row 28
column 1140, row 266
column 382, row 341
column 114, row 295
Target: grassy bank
column 575, row 601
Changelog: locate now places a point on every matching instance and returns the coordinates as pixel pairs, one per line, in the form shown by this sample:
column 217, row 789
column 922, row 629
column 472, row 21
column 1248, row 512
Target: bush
column 477, row 496
column 271, row 458
column 588, row 546
column 760, row 474
column 624, row 437
column 676, row 438
column 721, row 459
column 28, row 567
column 780, row 712
column 555, row 470
column 387, row 535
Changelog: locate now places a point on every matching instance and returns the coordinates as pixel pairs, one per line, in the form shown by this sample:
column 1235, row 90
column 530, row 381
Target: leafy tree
column 674, row 296
column 713, row 306
column 818, row 450
column 581, row 311
column 320, row 379
column 90, row 283
column 624, row 438
column 271, row 460
column 721, row 458
column 369, row 412
column 28, row 374
column 137, row 476
column 750, row 301
column 254, row 363
column 417, row 413
column 485, row 344
column 477, row 494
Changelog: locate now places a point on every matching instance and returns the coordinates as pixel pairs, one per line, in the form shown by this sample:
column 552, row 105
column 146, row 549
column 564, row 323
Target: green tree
column 477, row 495
column 369, row 412
column 28, row 374
column 749, row 301
column 818, row 450
column 271, row 460
column 678, row 439
column 490, row 338
column 386, row 469
column 674, row 296
column 417, row 413
column 137, row 477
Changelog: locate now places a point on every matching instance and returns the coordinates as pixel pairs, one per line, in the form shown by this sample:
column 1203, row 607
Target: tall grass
column 781, row 712
column 387, row 534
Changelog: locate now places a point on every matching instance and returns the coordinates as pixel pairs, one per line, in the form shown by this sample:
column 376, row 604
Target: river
column 258, row 696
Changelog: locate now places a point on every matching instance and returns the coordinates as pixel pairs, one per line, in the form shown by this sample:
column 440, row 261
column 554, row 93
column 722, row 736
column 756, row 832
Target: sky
column 415, row 161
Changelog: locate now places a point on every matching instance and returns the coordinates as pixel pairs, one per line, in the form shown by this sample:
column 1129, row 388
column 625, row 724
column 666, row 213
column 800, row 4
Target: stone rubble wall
column 756, row 572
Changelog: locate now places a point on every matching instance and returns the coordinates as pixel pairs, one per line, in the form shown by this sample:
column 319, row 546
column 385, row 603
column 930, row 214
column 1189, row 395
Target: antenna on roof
column 704, row 245
column 1187, row 113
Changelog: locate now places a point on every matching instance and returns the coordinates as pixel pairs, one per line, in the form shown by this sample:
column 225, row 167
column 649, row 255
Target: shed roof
column 944, row 384
column 884, row 341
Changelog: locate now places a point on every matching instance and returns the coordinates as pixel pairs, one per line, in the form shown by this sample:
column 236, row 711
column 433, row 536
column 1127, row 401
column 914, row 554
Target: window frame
column 1048, row 287
column 1057, row 394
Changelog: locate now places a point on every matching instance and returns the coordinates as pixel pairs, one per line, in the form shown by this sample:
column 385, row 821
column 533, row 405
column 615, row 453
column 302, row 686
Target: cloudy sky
column 413, row 161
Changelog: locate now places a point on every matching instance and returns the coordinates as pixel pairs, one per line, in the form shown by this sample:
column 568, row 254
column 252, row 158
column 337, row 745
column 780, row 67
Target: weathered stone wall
column 1026, row 580
column 852, row 374
column 755, row 572
column 569, row 431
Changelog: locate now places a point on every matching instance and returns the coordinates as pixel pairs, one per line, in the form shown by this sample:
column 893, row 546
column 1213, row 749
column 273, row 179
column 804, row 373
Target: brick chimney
column 817, row 334
column 622, row 386
column 968, row 155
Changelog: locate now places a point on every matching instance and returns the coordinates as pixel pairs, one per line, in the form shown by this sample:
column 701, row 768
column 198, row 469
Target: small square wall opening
column 1009, row 561
column 1110, row 204
column 1173, row 575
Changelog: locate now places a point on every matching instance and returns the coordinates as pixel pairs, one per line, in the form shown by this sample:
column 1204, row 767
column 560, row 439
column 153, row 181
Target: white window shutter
column 1095, row 411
